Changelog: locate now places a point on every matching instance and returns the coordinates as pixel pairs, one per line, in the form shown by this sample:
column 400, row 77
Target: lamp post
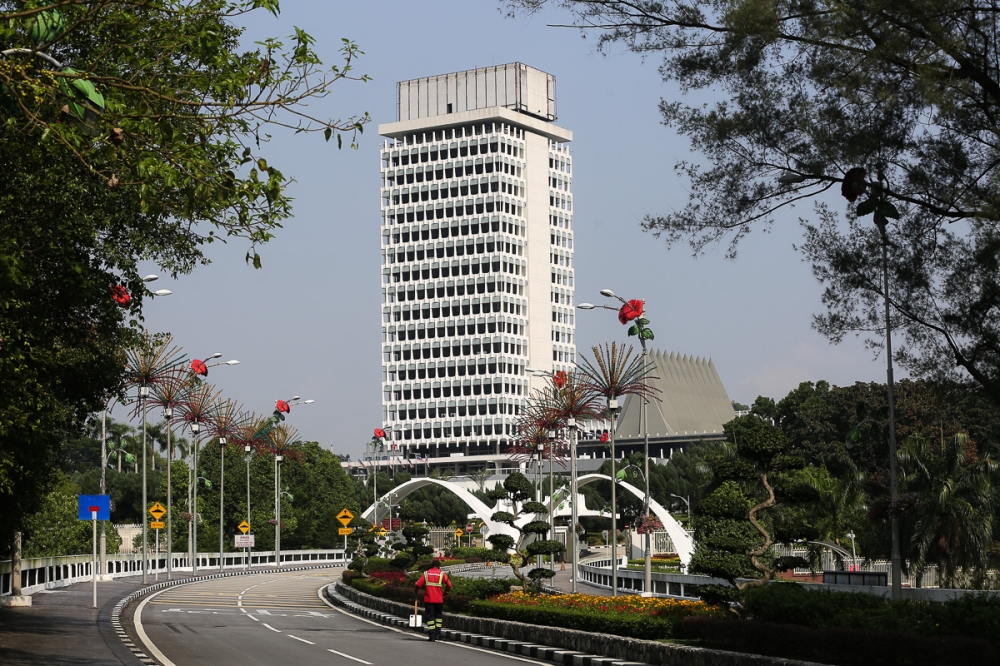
column 193, row 500
column 687, row 501
column 278, row 458
column 633, row 311
column 574, row 512
column 167, row 415
column 143, row 396
column 854, row 553
column 247, row 449
column 613, row 409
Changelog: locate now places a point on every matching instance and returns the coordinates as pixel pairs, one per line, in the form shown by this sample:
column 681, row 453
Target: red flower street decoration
column 604, row 438
column 560, row 379
column 379, row 433
column 120, row 295
column 854, row 184
column 282, row 406
column 199, row 368
column 631, row 310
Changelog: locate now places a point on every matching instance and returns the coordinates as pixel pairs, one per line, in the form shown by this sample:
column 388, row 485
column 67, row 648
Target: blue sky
column 308, row 323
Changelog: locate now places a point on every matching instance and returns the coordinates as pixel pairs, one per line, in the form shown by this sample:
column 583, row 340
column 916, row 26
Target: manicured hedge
column 463, row 590
column 635, row 625
column 975, row 616
column 846, row 647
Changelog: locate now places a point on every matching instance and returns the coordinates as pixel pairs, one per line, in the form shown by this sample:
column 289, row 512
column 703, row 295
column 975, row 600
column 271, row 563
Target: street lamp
column 628, row 312
column 687, row 501
column 854, row 553
column 281, row 406
column 613, row 410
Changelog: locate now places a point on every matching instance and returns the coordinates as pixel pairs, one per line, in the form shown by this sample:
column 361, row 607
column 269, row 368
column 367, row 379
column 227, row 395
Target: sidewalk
column 61, row 628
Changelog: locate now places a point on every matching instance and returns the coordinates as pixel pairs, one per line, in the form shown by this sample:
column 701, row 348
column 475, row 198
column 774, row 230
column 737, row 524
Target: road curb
column 124, row 602
column 531, row 650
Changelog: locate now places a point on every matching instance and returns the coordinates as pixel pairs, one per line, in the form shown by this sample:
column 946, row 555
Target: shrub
column 389, row 576
column 847, row 647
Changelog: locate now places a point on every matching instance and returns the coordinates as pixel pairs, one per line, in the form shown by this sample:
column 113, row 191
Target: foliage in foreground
column 637, row 617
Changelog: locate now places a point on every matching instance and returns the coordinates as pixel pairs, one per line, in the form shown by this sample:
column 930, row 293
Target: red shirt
column 435, row 583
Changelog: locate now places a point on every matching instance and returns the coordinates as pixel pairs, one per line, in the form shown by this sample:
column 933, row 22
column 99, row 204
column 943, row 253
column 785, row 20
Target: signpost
column 94, row 508
column 345, row 517
column 157, row 511
column 245, row 540
column 458, row 535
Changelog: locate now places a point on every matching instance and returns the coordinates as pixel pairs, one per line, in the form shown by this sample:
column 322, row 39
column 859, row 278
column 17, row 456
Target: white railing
column 42, row 573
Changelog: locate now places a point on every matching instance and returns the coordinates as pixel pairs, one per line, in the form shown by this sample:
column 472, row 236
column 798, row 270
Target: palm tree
column 955, row 508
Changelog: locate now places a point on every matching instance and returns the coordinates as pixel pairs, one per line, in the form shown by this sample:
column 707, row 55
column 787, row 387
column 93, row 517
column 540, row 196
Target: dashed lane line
column 271, row 628
column 347, row 656
column 301, row 639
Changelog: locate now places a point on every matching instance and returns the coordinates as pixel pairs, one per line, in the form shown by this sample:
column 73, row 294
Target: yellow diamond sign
column 243, row 527
column 157, row 511
column 345, row 517
column 459, row 532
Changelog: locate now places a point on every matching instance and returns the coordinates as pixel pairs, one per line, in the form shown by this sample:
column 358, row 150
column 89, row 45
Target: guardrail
column 44, row 573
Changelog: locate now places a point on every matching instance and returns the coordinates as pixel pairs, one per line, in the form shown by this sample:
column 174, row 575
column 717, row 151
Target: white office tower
column 477, row 262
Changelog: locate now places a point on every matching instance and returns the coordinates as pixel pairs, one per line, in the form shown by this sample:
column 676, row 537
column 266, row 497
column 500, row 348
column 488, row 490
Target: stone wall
column 626, row 649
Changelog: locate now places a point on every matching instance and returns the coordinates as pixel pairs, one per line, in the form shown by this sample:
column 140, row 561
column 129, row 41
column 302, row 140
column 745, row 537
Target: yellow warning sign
column 459, row 532
column 345, row 516
column 157, row 511
column 344, row 531
column 157, row 525
column 244, row 527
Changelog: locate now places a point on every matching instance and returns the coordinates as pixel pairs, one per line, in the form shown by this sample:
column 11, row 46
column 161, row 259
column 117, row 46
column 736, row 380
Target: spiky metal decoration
column 283, row 440
column 227, row 421
column 152, row 360
column 198, row 405
column 615, row 372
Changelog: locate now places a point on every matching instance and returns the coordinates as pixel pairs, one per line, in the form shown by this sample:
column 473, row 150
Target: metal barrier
column 44, row 573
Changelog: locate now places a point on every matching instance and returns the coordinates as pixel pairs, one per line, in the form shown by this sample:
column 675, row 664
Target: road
column 271, row 619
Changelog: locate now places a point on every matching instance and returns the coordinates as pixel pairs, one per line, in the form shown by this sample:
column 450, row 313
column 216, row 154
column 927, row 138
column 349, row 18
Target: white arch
column 682, row 542
column 478, row 507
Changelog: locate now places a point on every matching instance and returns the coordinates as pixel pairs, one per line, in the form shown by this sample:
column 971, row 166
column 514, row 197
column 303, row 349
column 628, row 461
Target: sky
column 308, row 322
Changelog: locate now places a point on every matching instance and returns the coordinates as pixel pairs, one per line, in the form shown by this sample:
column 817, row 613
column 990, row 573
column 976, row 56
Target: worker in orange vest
column 435, row 584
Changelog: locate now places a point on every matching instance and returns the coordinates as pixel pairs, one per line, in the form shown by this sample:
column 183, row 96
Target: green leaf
column 867, row 207
column 327, row 133
column 642, row 321
column 262, row 164
column 633, row 330
column 647, row 334
column 853, row 435
column 888, row 210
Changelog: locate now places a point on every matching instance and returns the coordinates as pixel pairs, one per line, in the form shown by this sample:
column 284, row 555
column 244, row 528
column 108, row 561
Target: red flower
column 120, row 296
column 604, row 438
column 560, row 379
column 854, row 184
column 379, row 433
column 199, row 368
column 282, row 406
column 631, row 310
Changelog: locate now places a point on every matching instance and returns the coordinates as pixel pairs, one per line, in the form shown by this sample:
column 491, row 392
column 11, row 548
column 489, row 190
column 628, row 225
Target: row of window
column 454, row 412
column 560, row 220
column 558, row 183
column 452, row 151
column 432, row 230
column 442, row 212
column 435, row 231
column 494, row 388
column 470, row 247
column 476, row 129
column 561, row 240
column 461, row 369
column 464, row 431
column 561, row 278
column 456, row 189
column 435, row 352
column 562, row 336
column 431, row 332
column 559, row 201
column 563, row 317
column 564, row 356
column 561, row 297
column 455, row 309
column 560, row 163
column 561, row 259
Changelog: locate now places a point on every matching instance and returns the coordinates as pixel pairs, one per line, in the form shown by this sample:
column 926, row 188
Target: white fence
column 42, row 573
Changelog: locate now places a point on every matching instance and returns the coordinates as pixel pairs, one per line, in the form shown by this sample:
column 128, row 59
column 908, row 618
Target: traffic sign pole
column 93, row 519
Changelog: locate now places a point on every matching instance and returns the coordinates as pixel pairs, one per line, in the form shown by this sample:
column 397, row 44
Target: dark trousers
column 433, row 618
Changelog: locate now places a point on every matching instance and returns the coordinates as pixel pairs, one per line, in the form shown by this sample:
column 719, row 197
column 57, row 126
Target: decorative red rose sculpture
column 379, row 433
column 282, row 406
column 604, row 438
column 199, row 368
column 120, row 295
column 631, row 310
column 560, row 379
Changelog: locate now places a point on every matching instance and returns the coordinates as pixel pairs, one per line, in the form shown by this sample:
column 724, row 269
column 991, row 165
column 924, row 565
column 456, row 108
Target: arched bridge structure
column 377, row 511
column 682, row 542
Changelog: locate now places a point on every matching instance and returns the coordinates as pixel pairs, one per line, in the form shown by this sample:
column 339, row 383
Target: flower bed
column 630, row 615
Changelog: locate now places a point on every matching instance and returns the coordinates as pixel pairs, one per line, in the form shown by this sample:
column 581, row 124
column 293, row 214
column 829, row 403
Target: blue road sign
column 99, row 503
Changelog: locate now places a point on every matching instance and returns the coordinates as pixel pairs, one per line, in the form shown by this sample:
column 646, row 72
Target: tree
column 131, row 132
column 735, row 521
column 893, row 102
column 955, row 512
column 514, row 502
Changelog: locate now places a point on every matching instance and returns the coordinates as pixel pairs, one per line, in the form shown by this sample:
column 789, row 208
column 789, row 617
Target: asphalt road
column 272, row 619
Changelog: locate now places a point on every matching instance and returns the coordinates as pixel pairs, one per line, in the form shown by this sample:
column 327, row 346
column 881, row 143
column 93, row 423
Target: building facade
column 476, row 262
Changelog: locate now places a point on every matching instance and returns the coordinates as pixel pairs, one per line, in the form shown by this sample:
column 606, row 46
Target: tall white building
column 477, row 260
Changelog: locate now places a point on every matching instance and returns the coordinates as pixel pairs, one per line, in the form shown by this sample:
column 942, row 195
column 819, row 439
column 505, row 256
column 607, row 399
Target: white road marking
column 347, row 656
column 253, row 618
column 301, row 639
column 271, row 628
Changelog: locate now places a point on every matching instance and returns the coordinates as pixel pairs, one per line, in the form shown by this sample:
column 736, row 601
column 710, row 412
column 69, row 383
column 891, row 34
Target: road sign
column 89, row 503
column 344, row 531
column 459, row 532
column 469, row 527
column 345, row 517
column 244, row 527
column 483, row 529
column 375, row 527
column 382, row 531
column 157, row 525
column 157, row 511
column 244, row 541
